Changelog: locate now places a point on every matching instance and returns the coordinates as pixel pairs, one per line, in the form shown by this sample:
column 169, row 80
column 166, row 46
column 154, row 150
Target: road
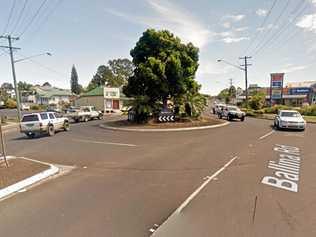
column 126, row 182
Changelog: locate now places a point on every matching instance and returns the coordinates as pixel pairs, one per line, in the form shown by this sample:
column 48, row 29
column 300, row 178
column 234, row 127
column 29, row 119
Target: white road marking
column 266, row 135
column 210, row 178
column 104, row 143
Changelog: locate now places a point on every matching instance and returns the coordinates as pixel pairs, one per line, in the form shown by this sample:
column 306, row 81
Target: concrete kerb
column 8, row 191
column 163, row 129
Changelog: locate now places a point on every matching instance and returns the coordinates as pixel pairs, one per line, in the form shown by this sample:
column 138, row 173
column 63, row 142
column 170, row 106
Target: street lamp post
column 244, row 68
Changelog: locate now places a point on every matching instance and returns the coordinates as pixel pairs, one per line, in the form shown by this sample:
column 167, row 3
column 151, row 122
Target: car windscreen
column 290, row 114
column 30, row 118
column 232, row 108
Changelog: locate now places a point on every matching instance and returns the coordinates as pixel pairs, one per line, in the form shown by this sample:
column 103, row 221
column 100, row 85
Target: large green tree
column 24, row 86
column 115, row 74
column 227, row 94
column 74, row 81
column 164, row 68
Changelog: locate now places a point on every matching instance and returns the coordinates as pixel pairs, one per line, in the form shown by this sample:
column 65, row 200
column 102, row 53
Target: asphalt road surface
column 125, row 183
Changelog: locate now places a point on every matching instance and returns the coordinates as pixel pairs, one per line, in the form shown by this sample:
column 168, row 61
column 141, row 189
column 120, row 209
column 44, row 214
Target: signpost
column 166, row 117
column 3, row 150
column 276, row 87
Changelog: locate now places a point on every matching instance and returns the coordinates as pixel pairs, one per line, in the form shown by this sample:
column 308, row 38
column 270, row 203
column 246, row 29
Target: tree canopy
column 74, row 81
column 227, row 94
column 164, row 67
column 115, row 74
column 24, row 86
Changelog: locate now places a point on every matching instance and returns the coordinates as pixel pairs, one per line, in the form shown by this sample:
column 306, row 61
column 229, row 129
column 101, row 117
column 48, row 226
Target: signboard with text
column 276, row 86
column 300, row 91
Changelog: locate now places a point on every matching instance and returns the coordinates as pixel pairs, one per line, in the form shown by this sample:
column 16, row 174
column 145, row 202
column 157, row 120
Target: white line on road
column 196, row 192
column 104, row 143
column 266, row 135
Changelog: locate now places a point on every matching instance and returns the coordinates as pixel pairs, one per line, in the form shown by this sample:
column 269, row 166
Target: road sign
column 276, row 86
column 166, row 117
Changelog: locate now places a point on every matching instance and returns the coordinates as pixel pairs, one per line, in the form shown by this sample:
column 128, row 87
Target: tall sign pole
column 3, row 146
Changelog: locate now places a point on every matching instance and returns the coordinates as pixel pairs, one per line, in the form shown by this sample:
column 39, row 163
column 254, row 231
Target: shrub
column 308, row 110
column 35, row 107
column 274, row 109
column 257, row 101
column 10, row 104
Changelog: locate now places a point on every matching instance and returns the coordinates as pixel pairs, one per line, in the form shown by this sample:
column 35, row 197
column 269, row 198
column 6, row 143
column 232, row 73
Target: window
column 290, row 114
column 51, row 116
column 30, row 118
column 44, row 116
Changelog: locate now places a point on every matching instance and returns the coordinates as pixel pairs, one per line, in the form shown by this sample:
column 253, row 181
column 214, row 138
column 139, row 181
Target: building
column 94, row 97
column 106, row 99
column 48, row 95
column 293, row 94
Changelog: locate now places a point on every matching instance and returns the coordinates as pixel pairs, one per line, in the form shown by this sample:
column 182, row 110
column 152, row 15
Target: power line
column 33, row 18
column 284, row 27
column 53, row 9
column 261, row 26
column 19, row 17
column 9, row 18
column 259, row 45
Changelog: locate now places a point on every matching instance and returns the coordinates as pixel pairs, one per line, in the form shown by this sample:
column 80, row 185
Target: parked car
column 25, row 107
column 83, row 114
column 43, row 123
column 217, row 108
column 231, row 112
column 290, row 119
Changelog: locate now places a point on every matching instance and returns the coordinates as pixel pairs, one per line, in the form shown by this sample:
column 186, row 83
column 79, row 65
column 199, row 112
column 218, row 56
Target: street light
column 245, row 69
column 33, row 56
column 16, row 87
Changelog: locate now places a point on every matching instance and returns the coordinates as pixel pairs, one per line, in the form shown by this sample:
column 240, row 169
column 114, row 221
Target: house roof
column 47, row 91
column 98, row 91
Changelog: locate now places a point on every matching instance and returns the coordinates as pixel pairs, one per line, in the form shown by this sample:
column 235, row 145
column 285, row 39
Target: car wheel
column 100, row 117
column 220, row 116
column 277, row 126
column 51, row 130
column 30, row 135
column 229, row 118
column 86, row 119
column 242, row 119
column 66, row 126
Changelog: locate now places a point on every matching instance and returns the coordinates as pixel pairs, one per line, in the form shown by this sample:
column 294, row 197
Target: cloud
column 290, row 68
column 230, row 40
column 308, row 22
column 174, row 18
column 241, row 29
column 270, row 26
column 234, row 18
column 227, row 25
column 261, row 12
column 213, row 68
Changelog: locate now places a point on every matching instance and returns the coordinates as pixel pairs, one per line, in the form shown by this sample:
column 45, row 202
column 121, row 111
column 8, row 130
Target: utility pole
column 17, row 94
column 246, row 65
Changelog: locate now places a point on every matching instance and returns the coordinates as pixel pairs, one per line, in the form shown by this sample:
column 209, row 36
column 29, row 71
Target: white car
column 43, row 122
column 25, row 107
column 289, row 119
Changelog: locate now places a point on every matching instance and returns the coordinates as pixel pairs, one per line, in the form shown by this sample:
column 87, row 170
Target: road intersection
column 120, row 190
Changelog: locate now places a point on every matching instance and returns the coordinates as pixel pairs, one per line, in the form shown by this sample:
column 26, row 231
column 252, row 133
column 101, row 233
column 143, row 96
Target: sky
column 280, row 35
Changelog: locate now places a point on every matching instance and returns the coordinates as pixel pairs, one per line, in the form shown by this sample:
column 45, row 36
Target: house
column 94, row 97
column 48, row 95
column 104, row 98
